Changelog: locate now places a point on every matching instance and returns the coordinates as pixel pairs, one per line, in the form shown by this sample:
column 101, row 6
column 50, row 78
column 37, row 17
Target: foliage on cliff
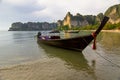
column 113, row 12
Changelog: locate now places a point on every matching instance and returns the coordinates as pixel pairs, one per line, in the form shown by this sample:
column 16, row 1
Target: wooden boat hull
column 77, row 43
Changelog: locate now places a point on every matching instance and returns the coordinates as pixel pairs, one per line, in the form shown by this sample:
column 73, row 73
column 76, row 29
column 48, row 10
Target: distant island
column 77, row 21
column 32, row 26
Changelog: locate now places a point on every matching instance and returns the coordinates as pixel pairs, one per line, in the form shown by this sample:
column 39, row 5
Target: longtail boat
column 72, row 31
column 76, row 43
column 55, row 31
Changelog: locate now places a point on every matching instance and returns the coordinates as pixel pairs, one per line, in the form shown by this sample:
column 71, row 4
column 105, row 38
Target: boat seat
column 55, row 37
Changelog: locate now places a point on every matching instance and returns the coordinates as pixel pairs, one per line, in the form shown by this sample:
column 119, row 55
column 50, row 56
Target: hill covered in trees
column 32, row 26
column 79, row 21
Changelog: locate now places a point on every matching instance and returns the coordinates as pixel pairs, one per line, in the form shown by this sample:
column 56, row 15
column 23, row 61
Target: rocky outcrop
column 114, row 14
column 32, row 26
column 77, row 20
column 59, row 22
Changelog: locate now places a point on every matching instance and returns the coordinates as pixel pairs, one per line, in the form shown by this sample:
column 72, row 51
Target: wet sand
column 45, row 69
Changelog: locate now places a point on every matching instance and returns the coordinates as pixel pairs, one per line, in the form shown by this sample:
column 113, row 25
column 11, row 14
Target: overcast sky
column 48, row 10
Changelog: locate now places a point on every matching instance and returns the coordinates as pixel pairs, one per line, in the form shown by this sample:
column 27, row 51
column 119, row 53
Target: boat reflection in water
column 113, row 44
column 73, row 59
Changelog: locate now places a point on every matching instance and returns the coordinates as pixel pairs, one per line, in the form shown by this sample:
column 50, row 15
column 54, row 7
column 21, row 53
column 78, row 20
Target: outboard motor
column 39, row 34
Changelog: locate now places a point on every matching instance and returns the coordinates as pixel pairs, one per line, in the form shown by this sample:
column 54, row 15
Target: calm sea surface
column 18, row 47
column 101, row 64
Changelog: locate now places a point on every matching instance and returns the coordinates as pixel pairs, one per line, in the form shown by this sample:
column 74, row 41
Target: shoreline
column 118, row 31
column 111, row 31
column 43, row 70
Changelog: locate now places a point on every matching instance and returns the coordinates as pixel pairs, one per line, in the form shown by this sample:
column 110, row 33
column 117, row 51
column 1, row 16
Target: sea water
column 101, row 64
column 18, row 47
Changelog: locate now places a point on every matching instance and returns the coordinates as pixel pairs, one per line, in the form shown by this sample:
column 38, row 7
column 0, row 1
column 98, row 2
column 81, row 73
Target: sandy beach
column 45, row 69
column 111, row 31
column 105, row 30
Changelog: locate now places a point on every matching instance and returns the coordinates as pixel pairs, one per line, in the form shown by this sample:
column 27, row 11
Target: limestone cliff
column 114, row 13
column 32, row 26
column 77, row 20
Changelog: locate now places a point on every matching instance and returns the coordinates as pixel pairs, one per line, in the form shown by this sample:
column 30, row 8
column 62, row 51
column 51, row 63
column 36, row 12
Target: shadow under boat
column 73, row 59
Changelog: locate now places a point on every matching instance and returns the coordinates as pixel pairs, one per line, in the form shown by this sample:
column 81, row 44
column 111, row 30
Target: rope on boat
column 110, row 61
column 94, row 47
column 94, row 42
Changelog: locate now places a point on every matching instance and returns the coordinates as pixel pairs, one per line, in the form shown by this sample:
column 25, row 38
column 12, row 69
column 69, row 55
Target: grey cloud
column 29, row 8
